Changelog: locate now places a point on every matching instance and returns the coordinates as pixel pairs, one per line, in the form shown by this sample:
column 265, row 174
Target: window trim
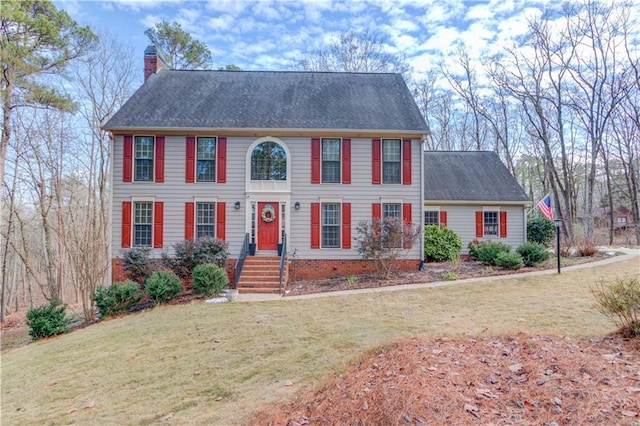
column 340, row 160
column 382, row 161
column 215, row 159
column 338, row 225
column 134, row 202
column 431, row 210
column 153, row 160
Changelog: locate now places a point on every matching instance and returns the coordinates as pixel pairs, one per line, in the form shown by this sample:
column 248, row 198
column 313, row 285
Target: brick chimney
column 153, row 61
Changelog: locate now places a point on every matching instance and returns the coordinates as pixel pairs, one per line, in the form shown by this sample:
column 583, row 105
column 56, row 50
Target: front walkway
column 629, row 254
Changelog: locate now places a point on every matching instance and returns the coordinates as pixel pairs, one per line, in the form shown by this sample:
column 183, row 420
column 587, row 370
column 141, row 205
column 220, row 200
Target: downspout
column 422, row 148
column 112, row 142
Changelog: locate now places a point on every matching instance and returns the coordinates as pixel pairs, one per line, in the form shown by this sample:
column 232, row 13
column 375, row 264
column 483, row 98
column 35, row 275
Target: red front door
column 268, row 226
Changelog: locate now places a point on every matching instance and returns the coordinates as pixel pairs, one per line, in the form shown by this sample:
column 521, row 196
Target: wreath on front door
column 268, row 214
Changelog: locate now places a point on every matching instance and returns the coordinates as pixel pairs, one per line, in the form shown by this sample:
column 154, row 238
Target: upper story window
column 142, row 223
column 206, row 159
column 490, row 220
column 143, row 156
column 391, row 160
column 330, row 160
column 268, row 162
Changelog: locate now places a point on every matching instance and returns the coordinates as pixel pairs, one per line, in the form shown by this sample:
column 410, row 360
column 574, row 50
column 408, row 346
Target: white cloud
column 221, row 23
column 139, row 5
column 479, row 12
column 442, row 39
column 231, row 7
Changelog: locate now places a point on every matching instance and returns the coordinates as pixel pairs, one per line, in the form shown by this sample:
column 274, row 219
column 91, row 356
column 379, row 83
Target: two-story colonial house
column 263, row 157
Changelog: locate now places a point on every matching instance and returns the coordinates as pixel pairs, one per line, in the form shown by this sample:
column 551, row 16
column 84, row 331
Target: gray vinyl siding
column 462, row 220
column 174, row 193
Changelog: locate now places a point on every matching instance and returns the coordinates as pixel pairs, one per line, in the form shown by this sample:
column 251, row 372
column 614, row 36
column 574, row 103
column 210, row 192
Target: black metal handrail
column 240, row 263
column 283, row 255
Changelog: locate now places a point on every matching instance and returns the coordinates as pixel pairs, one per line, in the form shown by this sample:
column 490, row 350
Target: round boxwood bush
column 541, row 230
column 487, row 252
column 441, row 244
column 533, row 253
column 162, row 286
column 509, row 260
column 209, row 279
column 117, row 298
column 47, row 320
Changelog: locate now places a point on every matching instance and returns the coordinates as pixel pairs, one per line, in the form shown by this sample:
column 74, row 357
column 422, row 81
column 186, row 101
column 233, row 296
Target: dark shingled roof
column 469, row 176
column 271, row 100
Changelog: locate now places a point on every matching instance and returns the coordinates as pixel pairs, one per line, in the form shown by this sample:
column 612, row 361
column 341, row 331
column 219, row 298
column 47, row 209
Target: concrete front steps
column 261, row 274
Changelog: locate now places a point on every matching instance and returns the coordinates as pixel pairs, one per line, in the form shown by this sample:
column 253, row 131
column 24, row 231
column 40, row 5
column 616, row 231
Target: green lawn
column 216, row 363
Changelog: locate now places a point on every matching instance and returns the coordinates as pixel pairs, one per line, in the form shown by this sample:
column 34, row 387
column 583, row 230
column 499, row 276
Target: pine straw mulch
column 463, row 268
column 507, row 380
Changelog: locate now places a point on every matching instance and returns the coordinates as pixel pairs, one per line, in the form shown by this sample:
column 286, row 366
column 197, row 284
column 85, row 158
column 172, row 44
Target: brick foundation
column 323, row 268
column 118, row 274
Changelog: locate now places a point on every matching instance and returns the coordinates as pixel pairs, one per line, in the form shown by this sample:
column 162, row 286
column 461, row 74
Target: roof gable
column 469, row 176
column 175, row 99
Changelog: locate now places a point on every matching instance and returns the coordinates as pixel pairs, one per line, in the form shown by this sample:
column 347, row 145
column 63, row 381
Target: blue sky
column 270, row 34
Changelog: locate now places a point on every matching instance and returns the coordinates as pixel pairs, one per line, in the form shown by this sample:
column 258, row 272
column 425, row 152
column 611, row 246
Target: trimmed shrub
column 163, row 286
column 472, row 246
column 137, row 264
column 47, row 320
column 441, row 244
column 190, row 253
column 541, row 230
column 117, row 298
column 533, row 253
column 487, row 252
column 448, row 276
column 620, row 301
column 509, row 260
column 209, row 279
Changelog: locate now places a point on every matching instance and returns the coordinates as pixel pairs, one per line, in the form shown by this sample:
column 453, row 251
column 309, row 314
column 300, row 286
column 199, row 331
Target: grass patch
column 217, row 363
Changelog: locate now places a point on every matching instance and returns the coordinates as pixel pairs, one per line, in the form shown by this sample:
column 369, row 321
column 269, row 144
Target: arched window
column 268, row 162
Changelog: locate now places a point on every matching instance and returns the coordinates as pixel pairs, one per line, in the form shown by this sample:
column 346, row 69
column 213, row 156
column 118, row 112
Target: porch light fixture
column 296, row 205
column 237, row 205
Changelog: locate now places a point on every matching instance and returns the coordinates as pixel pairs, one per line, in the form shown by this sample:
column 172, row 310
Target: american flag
column 545, row 207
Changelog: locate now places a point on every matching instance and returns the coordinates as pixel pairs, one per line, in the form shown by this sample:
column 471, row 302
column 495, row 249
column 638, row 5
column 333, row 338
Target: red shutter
column 479, row 227
column 443, row 218
column 160, row 159
column 222, row 160
column 376, row 155
column 190, row 176
column 127, row 158
column 346, row 225
column 346, row 160
column 315, row 160
column 158, row 221
column 406, row 162
column 406, row 217
column 503, row 224
column 189, row 217
column 315, row 225
column 376, row 211
column 126, row 224
column 221, row 219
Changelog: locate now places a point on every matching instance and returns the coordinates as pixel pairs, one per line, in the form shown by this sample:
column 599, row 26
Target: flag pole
column 536, row 204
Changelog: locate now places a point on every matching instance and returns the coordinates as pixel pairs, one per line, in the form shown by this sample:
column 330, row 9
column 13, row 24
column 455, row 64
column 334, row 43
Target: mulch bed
column 507, row 380
column 432, row 272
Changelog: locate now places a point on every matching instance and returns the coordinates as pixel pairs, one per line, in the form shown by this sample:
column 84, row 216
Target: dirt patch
column 501, row 380
column 432, row 272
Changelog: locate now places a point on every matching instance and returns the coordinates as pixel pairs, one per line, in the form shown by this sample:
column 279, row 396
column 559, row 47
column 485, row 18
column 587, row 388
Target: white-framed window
column 331, row 221
column 391, row 160
column 142, row 223
column 621, row 221
column 206, row 159
column 331, row 167
column 432, row 217
column 269, row 162
column 143, row 152
column 490, row 223
column 205, row 219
